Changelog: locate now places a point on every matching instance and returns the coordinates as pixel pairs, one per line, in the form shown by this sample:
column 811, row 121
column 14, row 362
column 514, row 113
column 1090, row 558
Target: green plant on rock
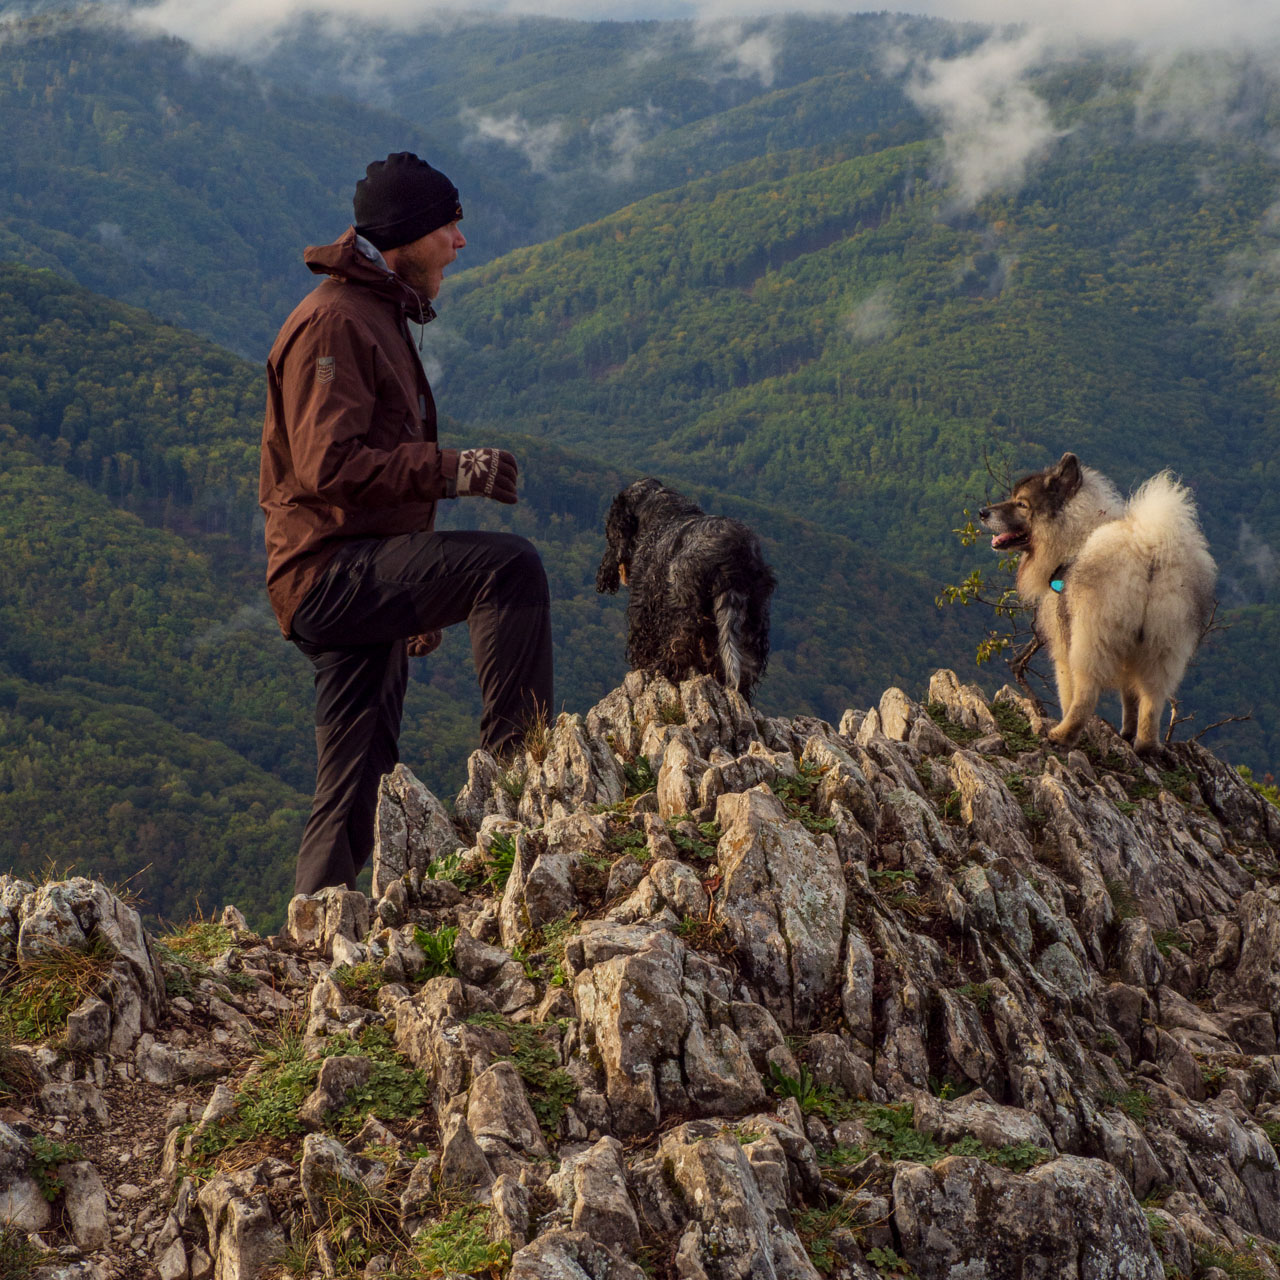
column 500, row 861
column 460, row 1244
column 450, row 868
column 1236, row 1264
column 639, row 777
column 1135, row 1103
column 394, row 1090
column 360, row 983
column 267, row 1099
column 201, row 939
column 1020, row 789
column 1168, row 940
column 949, row 807
column 438, row 947
column 884, row 875
column 803, row 1088
column 702, row 847
column 888, row 1263
column 1272, row 1129
column 978, row 993
column 1124, row 902
column 1157, row 1226
column 46, row 1155
column 1017, row 1157
column 816, row 1227
column 957, row 732
column 1014, row 727
column 631, row 841
column 894, row 1135
column 553, row 938
column 38, row 992
column 357, row 1223
column 535, row 1055
column 511, row 781
column 797, row 795
column 534, row 972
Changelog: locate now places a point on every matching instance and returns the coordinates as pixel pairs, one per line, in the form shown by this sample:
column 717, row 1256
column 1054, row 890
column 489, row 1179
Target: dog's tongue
column 1002, row 540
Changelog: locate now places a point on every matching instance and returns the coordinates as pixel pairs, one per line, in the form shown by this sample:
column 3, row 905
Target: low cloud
column 1250, row 281
column 737, row 51
column 993, row 124
column 617, row 138
column 538, row 143
column 1213, row 96
column 874, row 318
column 1258, row 555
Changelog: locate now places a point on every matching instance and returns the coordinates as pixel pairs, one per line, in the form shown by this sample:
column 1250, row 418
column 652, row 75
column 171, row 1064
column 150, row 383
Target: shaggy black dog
column 699, row 587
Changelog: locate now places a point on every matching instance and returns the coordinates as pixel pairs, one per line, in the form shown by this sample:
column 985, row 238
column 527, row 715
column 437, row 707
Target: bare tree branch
column 1018, row 667
column 1217, row 724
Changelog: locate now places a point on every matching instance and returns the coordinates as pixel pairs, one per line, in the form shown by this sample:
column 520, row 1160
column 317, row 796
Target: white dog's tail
column 1162, row 515
column 1164, row 525
column 730, row 610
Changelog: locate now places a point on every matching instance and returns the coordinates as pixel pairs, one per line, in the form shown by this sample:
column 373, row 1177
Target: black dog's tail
column 730, row 610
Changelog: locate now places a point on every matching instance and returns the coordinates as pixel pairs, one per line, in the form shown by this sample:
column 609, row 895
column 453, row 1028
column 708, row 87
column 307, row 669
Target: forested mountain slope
column 184, row 184
column 759, row 277
column 189, row 184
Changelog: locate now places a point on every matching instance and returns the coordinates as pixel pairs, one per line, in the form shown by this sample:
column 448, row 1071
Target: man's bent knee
column 520, row 581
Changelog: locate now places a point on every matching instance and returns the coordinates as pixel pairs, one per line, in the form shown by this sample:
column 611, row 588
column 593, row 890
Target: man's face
column 421, row 263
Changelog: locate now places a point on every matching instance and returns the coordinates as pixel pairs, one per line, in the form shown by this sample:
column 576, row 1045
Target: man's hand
column 427, row 642
column 487, row 473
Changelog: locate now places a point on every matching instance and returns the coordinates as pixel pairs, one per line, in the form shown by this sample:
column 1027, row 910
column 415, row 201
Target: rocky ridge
column 686, row 992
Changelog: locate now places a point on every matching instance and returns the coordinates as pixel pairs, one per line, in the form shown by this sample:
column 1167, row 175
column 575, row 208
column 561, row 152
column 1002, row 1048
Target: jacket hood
column 353, row 260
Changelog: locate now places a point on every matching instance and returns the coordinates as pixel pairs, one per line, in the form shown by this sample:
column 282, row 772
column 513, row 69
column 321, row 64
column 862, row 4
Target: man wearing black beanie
column 351, row 474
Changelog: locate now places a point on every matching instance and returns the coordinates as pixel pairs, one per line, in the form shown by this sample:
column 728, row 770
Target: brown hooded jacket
column 349, row 443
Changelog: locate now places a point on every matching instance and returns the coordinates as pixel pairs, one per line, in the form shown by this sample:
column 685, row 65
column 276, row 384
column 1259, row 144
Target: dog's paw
column 1154, row 752
column 1062, row 737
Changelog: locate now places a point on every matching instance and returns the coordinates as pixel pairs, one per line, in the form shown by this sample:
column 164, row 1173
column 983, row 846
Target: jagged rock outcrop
column 696, row 992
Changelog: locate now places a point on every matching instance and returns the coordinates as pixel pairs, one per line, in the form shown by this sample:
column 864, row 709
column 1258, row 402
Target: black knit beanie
column 402, row 199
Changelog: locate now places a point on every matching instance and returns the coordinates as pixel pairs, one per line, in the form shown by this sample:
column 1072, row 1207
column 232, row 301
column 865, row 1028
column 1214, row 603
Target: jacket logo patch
column 324, row 369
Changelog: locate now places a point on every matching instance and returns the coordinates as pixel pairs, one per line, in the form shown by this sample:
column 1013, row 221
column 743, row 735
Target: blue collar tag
column 1056, row 584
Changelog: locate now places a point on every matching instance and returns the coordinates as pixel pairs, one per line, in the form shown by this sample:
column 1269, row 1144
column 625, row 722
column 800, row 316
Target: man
column 351, row 475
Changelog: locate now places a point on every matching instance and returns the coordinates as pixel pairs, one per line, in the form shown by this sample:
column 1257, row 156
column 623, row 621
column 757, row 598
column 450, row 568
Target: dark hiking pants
column 353, row 624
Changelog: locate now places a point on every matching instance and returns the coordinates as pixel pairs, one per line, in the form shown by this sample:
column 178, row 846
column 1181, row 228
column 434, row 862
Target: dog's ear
column 607, row 579
column 620, row 527
column 1065, row 478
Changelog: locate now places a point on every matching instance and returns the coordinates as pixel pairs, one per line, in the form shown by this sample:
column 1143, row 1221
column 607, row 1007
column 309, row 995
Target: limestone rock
column 245, row 1239
column 783, row 900
column 412, row 829
column 1073, row 1219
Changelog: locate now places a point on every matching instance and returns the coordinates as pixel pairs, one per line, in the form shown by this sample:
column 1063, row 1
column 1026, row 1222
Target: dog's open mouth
column 1011, row 541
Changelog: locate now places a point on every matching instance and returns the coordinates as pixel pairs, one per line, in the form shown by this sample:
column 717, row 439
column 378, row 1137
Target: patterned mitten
column 487, row 473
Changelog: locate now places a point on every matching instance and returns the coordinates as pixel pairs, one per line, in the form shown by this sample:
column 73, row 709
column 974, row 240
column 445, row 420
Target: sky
column 1152, row 24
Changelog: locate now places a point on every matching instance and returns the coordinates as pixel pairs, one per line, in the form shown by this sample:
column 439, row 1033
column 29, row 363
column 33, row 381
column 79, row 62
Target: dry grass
column 38, row 993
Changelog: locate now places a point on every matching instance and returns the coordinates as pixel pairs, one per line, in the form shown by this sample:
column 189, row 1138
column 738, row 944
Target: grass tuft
column 37, row 994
